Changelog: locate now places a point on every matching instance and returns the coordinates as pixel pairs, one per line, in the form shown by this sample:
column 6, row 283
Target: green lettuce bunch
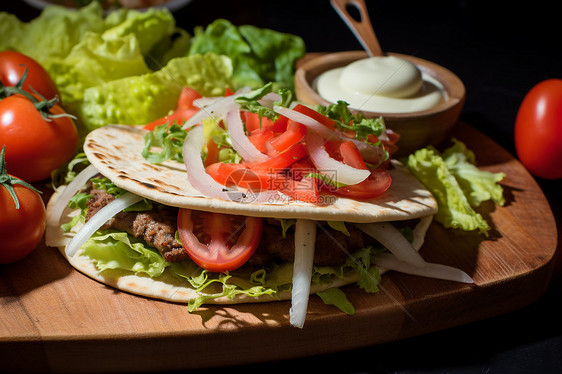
column 457, row 184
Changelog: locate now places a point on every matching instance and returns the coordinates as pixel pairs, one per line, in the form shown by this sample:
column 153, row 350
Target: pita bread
column 116, row 152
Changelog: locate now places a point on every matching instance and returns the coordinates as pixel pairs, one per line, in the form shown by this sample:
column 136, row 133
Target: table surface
column 499, row 55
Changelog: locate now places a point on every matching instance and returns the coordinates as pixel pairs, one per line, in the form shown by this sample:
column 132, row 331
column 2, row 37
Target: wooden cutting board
column 53, row 318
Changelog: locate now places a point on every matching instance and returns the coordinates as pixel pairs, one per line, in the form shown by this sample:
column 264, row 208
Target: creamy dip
column 385, row 84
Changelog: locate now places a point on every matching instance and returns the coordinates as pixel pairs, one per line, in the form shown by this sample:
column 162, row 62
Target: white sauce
column 384, row 84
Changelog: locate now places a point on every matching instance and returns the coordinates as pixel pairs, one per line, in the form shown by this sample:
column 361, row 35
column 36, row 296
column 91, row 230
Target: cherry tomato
column 22, row 220
column 538, row 130
column 12, row 67
column 219, row 242
column 35, row 146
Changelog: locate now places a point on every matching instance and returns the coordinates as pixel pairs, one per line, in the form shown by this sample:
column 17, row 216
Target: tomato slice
column 219, row 242
column 293, row 134
column 259, row 138
column 326, row 121
column 253, row 121
column 187, row 96
column 184, row 109
column 351, row 155
column 239, row 175
column 284, row 159
column 377, row 183
column 179, row 115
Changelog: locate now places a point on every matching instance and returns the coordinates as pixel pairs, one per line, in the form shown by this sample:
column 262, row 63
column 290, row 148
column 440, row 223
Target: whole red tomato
column 12, row 67
column 22, row 220
column 35, row 146
column 538, row 130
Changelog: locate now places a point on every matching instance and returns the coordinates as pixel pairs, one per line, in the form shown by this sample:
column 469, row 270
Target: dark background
column 500, row 50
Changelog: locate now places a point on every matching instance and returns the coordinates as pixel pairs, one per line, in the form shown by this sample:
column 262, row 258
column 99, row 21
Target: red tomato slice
column 328, row 122
column 284, row 159
column 293, row 134
column 187, row 96
column 377, row 183
column 239, row 175
column 253, row 121
column 184, row 109
column 180, row 115
column 351, row 155
column 219, row 242
column 306, row 190
column 260, row 137
column 212, row 153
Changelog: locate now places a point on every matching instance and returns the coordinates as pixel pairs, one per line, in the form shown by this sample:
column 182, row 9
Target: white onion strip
column 99, row 219
column 429, row 270
column 219, row 108
column 309, row 122
column 305, row 241
column 386, row 234
column 196, row 173
column 269, row 99
column 240, row 142
column 70, row 190
column 332, row 168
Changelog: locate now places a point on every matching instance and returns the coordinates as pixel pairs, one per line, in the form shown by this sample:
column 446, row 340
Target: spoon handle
column 362, row 29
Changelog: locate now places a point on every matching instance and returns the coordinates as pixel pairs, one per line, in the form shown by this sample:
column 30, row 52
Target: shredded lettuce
column 110, row 249
column 457, row 184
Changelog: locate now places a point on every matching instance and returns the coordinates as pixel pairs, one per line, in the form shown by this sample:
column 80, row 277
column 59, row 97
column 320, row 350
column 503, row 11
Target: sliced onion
column 196, row 174
column 332, row 168
column 99, row 219
column 268, row 99
column 240, row 142
column 309, row 122
column 70, row 190
column 386, row 234
column 305, row 241
column 420, row 230
column 205, row 101
column 218, row 109
column 429, row 270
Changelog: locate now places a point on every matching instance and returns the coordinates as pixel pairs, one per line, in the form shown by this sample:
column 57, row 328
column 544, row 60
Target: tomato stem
column 7, row 181
column 43, row 105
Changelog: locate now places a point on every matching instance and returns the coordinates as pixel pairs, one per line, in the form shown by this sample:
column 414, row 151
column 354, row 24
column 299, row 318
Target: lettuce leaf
column 478, row 185
column 110, row 249
column 53, row 34
column 117, row 250
column 457, row 185
column 144, row 98
column 259, row 56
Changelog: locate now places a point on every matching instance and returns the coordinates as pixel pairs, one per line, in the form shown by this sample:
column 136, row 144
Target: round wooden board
column 70, row 323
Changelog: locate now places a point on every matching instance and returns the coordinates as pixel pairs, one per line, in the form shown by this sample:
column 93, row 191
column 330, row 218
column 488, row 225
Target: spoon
column 362, row 29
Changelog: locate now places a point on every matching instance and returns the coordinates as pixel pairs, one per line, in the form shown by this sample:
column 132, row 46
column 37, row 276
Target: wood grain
column 67, row 322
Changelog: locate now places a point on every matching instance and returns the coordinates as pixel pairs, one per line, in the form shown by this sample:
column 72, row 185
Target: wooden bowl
column 416, row 129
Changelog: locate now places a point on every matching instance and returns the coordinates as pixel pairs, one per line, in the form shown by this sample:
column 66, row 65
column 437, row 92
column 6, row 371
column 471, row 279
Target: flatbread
column 116, row 152
column 169, row 287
